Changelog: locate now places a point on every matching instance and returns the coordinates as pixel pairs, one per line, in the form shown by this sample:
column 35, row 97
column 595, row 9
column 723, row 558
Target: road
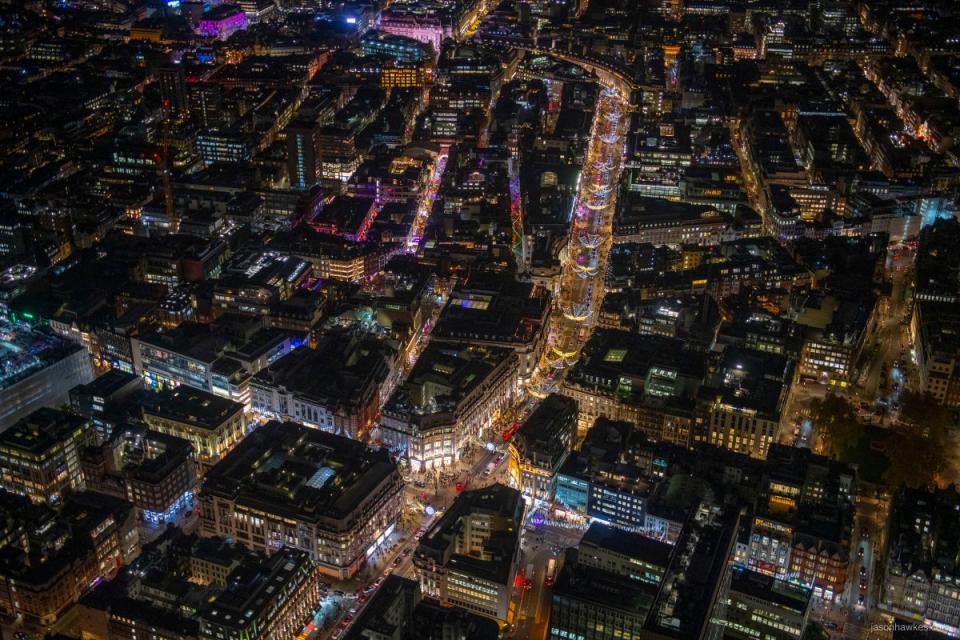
column 584, row 259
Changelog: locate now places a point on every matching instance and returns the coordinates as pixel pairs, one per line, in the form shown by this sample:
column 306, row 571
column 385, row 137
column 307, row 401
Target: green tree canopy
column 920, row 447
column 836, row 422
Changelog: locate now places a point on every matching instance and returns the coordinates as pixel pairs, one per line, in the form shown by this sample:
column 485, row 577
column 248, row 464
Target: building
column 803, row 521
column 451, row 397
column 935, row 327
column 37, row 369
column 743, row 400
column 40, row 455
column 398, row 610
column 94, row 399
column 394, row 46
column 626, row 554
column 664, row 222
column 184, row 587
column 222, row 21
column 608, row 585
column 290, row 485
column 190, row 355
column 760, row 606
column 469, row 557
column 252, row 281
column 265, row 599
column 337, row 386
column 212, row 425
column 835, row 328
column 154, row 471
column 599, row 482
column 540, row 446
column 57, row 555
column 921, row 579
column 423, row 27
column 497, row 311
column 302, row 157
column 649, row 381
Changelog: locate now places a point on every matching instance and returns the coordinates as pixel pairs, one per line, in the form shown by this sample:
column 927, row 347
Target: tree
column 836, row 422
column 920, row 446
column 923, row 410
column 815, row 631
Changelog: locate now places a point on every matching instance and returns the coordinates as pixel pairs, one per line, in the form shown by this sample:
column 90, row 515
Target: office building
column 540, row 446
column 743, row 399
column 37, row 369
column 290, row 485
column 212, row 425
column 469, row 557
column 920, row 579
column 154, row 471
column 935, row 327
column 40, row 455
column 760, row 606
column 59, row 554
column 264, row 599
column 803, row 521
column 398, row 610
column 336, row 386
column 191, row 355
column 451, row 397
column 497, row 311
column 600, row 482
column 184, row 587
column 608, row 585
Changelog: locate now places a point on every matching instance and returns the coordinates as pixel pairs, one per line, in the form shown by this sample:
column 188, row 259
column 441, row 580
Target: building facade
column 336, row 499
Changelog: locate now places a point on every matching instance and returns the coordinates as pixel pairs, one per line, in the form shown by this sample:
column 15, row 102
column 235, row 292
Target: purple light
column 224, row 27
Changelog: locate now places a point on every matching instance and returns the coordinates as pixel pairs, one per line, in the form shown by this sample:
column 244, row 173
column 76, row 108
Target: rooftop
column 630, row 544
column 191, row 406
column 444, row 374
column 302, row 473
column 42, row 430
column 337, row 373
column 254, row 588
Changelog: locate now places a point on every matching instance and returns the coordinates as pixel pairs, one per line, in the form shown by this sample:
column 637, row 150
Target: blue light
column 173, row 4
column 155, row 518
column 351, row 20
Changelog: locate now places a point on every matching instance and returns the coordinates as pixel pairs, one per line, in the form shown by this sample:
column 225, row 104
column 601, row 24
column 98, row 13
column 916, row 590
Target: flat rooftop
column 288, row 469
column 190, row 406
column 41, row 430
column 25, row 350
column 336, row 373
column 444, row 374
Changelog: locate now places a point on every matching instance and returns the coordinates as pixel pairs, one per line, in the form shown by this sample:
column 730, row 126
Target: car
column 397, row 561
column 353, row 611
column 860, row 550
column 863, row 571
column 860, row 600
column 865, row 534
column 405, row 553
column 863, row 584
column 338, row 593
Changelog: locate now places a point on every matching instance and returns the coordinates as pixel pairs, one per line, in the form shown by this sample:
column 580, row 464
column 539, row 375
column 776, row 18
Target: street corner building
column 287, row 485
